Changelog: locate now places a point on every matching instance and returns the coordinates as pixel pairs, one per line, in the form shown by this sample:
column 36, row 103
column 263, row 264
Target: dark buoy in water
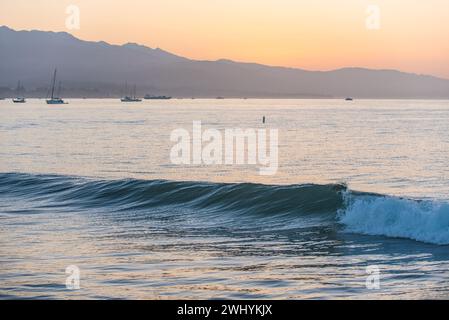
column 263, row 119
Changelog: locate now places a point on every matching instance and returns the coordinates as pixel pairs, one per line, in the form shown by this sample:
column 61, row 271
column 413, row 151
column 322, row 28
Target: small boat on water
column 151, row 97
column 19, row 98
column 349, row 99
column 132, row 97
column 54, row 99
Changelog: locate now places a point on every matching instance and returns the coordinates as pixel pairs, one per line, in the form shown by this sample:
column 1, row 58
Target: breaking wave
column 365, row 213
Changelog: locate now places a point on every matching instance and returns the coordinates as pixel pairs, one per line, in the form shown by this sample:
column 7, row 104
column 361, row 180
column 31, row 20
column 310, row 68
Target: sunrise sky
column 318, row 35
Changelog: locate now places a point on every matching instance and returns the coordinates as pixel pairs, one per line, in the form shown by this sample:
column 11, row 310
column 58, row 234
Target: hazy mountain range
column 100, row 69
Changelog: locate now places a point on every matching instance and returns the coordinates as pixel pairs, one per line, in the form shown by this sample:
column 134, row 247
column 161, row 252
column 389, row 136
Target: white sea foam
column 425, row 221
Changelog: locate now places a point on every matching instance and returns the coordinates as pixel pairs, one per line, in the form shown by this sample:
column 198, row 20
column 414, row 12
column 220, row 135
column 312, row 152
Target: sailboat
column 131, row 98
column 18, row 98
column 55, row 99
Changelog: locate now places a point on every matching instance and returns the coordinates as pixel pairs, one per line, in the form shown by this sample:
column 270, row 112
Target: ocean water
column 361, row 186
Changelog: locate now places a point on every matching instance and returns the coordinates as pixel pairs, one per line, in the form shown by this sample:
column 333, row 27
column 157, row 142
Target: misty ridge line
column 99, row 69
column 127, row 44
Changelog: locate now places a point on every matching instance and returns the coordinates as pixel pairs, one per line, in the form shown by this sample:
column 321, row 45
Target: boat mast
column 53, row 85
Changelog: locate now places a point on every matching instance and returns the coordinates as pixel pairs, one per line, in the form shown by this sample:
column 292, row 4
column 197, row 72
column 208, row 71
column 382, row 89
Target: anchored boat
column 19, row 98
column 151, row 97
column 132, row 97
column 54, row 99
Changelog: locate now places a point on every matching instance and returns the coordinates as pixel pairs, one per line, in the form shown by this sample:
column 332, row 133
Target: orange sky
column 314, row 34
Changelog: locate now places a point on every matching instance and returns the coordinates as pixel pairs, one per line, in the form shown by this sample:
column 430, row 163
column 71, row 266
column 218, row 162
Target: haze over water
column 91, row 184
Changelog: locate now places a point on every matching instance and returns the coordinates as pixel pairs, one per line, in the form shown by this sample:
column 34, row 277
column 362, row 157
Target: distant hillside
column 100, row 69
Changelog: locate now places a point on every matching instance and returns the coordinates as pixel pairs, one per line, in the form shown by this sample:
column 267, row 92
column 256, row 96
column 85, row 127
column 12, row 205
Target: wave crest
column 133, row 194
